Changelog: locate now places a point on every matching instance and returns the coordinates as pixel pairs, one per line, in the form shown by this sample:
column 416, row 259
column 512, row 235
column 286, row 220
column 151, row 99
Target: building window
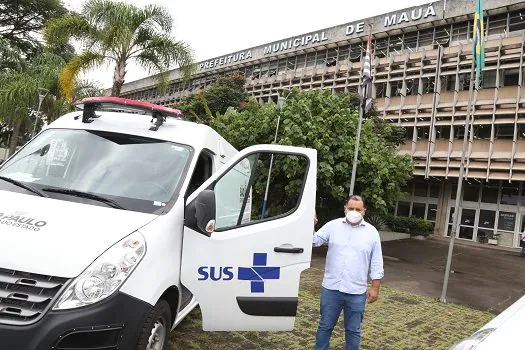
column 381, row 89
column 466, row 230
column 409, row 133
column 489, row 79
column 434, row 190
column 509, row 195
column 490, row 193
column 355, row 52
column 521, row 129
column 310, row 60
column 487, row 218
column 412, row 86
column 482, row 131
column 460, row 31
column 290, row 63
column 428, row 84
column 506, row 221
column 403, row 209
column 471, row 192
column 443, row 132
column 497, row 24
column 431, row 212
column 381, row 47
column 421, row 189
column 464, row 81
column 396, row 45
column 459, row 131
column 410, row 41
column 511, row 77
column 321, row 59
column 423, row 132
column 331, row 57
column 442, row 35
column 343, row 53
column 301, row 61
column 505, row 131
column 396, row 88
column 426, row 37
column 517, row 21
column 418, row 210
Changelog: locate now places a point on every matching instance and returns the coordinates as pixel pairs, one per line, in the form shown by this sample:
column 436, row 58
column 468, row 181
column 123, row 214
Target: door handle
column 292, row 250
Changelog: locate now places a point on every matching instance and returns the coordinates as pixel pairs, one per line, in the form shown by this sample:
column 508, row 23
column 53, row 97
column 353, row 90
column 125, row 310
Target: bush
column 376, row 220
column 412, row 225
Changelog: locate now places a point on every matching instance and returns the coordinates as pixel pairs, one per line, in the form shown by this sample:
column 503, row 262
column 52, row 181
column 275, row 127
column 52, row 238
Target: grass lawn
column 398, row 320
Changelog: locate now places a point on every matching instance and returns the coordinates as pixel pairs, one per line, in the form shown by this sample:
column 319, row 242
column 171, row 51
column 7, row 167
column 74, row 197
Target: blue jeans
column 522, row 253
column 332, row 302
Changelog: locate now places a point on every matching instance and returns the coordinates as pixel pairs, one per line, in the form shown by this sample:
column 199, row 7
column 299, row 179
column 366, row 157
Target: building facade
column 422, row 59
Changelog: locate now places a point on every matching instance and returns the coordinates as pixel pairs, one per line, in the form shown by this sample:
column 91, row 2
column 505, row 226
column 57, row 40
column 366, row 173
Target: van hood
column 56, row 237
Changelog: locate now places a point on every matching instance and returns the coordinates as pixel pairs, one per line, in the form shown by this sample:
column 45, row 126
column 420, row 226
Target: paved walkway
column 483, row 278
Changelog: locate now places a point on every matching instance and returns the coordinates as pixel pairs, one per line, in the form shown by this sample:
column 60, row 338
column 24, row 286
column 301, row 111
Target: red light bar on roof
column 119, row 103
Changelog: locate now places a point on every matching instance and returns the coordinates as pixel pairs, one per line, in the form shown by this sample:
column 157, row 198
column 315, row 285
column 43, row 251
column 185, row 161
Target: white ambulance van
column 118, row 219
column 502, row 332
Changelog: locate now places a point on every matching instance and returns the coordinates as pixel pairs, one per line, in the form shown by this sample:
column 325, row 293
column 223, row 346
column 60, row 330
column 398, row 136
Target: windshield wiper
column 87, row 195
column 23, row 185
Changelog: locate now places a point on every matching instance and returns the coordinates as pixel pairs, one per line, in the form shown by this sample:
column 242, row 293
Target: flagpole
column 478, row 62
column 356, row 148
column 455, row 220
column 362, row 102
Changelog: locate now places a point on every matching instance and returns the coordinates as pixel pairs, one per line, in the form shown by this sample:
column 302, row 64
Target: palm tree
column 20, row 87
column 117, row 33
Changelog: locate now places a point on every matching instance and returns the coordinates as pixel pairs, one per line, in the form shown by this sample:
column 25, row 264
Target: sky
column 215, row 28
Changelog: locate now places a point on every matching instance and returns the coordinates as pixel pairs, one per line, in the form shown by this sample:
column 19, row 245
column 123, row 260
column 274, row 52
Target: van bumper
column 114, row 323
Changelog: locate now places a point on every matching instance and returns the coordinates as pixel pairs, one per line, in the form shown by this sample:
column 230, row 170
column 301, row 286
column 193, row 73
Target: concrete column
column 441, row 215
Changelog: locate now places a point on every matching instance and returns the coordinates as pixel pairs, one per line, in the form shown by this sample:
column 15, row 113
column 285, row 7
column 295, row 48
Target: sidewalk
column 483, row 277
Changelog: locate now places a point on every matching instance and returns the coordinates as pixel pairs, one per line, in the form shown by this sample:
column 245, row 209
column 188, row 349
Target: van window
column 203, row 170
column 244, row 195
column 139, row 173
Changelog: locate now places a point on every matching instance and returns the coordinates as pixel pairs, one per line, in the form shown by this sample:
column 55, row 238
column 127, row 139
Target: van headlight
column 105, row 275
column 473, row 341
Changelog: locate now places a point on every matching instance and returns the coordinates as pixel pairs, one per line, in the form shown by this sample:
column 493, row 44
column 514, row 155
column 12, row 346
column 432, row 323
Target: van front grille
column 25, row 297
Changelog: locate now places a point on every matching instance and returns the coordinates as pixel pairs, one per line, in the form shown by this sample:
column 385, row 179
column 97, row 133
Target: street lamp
column 280, row 103
column 40, row 100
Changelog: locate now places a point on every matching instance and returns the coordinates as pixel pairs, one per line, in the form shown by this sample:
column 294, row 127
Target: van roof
column 175, row 130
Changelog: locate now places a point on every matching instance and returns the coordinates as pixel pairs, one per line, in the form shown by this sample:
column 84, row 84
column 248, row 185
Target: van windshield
column 134, row 172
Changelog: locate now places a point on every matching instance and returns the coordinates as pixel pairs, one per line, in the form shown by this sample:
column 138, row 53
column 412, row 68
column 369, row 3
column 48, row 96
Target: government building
column 422, row 59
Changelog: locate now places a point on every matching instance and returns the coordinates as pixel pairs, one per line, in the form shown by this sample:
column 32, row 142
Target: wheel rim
column 158, row 335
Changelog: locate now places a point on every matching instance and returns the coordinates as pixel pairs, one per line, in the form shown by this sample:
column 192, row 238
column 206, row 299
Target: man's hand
column 315, row 219
column 373, row 294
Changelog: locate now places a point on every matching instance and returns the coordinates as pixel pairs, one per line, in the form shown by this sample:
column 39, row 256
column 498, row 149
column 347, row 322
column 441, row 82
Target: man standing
column 354, row 251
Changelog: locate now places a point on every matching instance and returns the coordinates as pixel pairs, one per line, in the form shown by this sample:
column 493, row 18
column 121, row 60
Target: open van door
column 244, row 268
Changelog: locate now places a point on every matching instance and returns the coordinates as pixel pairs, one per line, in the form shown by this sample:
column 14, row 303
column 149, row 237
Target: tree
column 116, row 32
column 22, row 20
column 205, row 105
column 318, row 119
column 20, row 89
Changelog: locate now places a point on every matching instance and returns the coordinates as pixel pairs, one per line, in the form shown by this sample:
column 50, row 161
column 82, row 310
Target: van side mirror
column 200, row 213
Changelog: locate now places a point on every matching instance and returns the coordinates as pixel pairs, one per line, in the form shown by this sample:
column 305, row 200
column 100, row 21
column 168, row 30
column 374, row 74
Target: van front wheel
column 155, row 333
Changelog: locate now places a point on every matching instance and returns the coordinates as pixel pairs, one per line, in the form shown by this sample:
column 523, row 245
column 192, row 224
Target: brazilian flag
column 478, row 40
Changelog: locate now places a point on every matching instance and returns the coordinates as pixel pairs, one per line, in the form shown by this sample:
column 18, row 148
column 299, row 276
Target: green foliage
column 204, row 105
column 376, row 220
column 412, row 225
column 118, row 32
column 318, row 119
column 22, row 20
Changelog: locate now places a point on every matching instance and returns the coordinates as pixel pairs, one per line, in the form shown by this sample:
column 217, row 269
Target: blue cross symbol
column 259, row 272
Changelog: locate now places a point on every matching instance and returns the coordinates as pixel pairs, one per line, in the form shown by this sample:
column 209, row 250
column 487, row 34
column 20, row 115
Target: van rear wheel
column 155, row 333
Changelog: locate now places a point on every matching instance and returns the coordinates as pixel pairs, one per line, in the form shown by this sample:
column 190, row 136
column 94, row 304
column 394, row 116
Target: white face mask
column 353, row 217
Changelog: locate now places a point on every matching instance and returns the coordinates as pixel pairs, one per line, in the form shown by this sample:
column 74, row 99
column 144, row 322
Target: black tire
column 160, row 313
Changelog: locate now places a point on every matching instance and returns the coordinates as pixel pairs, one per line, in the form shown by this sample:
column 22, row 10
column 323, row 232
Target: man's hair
column 356, row 197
